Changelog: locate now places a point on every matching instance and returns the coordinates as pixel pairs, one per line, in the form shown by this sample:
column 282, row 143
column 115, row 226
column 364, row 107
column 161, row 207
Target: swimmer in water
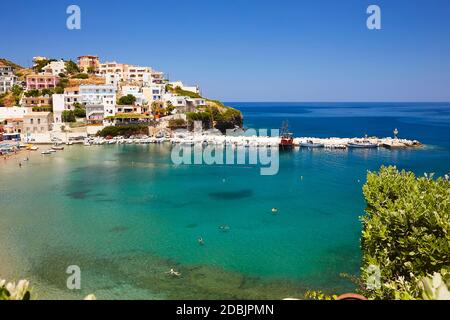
column 174, row 273
column 201, row 241
column 274, row 210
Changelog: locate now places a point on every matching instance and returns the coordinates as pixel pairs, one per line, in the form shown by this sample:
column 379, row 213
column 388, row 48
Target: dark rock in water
column 78, row 194
column 231, row 195
column 118, row 229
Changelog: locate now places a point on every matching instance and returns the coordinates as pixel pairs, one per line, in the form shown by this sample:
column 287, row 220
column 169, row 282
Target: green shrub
column 13, row 291
column 127, row 100
column 43, row 109
column 39, row 65
column 71, row 67
column 81, row 76
column 181, row 92
column 406, row 231
column 68, row 116
column 123, row 130
column 79, row 111
column 205, row 117
column 32, row 93
column 177, row 123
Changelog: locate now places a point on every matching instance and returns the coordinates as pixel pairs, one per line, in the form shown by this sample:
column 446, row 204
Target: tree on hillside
column 129, row 99
column 91, row 70
column 79, row 111
column 71, row 67
column 157, row 108
column 68, row 116
column 39, row 65
column 169, row 108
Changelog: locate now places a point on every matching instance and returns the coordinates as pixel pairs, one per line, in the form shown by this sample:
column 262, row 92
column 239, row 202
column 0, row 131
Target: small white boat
column 51, row 150
column 86, row 144
column 55, row 147
column 33, row 148
column 46, row 152
column 362, row 145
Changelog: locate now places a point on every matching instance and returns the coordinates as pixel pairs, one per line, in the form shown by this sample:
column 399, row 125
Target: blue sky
column 252, row 50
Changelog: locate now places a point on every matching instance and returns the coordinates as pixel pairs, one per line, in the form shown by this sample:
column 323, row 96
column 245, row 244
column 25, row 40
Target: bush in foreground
column 406, row 233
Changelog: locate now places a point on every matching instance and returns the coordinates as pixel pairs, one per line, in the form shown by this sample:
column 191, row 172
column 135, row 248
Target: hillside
column 91, row 80
column 214, row 114
column 20, row 71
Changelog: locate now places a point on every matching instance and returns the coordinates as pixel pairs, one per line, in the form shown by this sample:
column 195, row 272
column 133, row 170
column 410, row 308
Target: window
column 39, row 121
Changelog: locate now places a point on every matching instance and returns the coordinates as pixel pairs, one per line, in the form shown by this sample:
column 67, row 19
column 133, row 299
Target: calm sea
column 126, row 215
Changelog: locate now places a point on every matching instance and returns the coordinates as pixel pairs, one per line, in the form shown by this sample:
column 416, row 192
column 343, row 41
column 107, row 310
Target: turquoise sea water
column 126, row 215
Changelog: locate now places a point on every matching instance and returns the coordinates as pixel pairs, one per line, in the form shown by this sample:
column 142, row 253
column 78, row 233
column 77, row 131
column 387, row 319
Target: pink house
column 39, row 81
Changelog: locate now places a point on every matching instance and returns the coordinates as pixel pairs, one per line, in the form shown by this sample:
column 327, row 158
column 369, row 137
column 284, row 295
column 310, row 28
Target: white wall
column 13, row 112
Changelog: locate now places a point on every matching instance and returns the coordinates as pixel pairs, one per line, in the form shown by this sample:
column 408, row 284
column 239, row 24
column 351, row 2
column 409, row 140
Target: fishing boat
column 362, row 144
column 46, row 152
column 287, row 141
column 57, row 147
column 311, row 144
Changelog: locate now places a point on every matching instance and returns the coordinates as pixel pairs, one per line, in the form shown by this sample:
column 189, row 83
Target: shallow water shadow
column 231, row 195
column 78, row 194
column 118, row 229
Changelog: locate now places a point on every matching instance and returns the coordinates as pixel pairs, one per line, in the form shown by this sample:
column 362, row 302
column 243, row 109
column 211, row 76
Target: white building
column 112, row 79
column 7, row 78
column 58, row 107
column 178, row 102
column 154, row 92
column 126, row 72
column 136, row 92
column 196, row 102
column 63, row 102
column 13, row 112
column 55, row 68
column 179, row 84
column 99, row 95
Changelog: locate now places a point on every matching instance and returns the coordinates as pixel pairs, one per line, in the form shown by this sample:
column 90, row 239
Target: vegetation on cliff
column 213, row 115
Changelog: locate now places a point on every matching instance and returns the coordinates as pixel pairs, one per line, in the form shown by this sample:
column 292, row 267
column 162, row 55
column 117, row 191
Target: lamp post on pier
column 395, row 133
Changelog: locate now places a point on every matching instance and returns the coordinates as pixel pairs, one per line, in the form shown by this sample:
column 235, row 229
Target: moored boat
column 287, row 140
column 56, row 147
column 311, row 144
column 46, row 152
column 362, row 145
